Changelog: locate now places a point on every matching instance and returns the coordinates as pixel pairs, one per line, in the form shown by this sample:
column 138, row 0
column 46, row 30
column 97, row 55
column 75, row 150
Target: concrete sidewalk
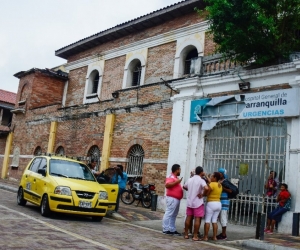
column 241, row 237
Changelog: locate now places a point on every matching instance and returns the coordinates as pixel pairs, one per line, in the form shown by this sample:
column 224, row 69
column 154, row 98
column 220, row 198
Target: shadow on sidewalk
column 139, row 213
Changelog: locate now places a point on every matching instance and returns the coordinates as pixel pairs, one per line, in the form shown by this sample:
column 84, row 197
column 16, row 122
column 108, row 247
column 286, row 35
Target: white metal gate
column 248, row 150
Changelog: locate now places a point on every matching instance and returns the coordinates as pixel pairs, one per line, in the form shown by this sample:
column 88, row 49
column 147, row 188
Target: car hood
column 82, row 185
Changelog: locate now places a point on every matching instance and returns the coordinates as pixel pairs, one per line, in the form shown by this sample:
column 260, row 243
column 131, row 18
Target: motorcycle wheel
column 127, row 197
column 146, row 199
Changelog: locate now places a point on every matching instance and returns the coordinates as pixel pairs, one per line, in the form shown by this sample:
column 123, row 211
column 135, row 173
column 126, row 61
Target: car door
column 111, row 189
column 30, row 188
column 40, row 180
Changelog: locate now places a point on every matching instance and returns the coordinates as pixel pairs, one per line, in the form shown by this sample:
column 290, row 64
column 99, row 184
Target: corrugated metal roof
column 7, row 96
column 152, row 19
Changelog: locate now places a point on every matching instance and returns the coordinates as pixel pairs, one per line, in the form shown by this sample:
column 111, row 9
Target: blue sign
column 197, row 107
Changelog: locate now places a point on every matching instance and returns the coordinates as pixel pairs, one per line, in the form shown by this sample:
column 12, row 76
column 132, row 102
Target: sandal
column 196, row 239
column 186, row 237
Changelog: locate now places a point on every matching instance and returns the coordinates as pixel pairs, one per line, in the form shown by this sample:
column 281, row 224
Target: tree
column 257, row 31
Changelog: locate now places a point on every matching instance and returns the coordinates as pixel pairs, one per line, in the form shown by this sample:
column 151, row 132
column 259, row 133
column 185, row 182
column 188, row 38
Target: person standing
column 119, row 178
column 174, row 194
column 223, row 217
column 271, row 186
column 196, row 188
column 213, row 205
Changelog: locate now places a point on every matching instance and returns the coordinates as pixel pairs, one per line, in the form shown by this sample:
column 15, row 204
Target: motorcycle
column 137, row 191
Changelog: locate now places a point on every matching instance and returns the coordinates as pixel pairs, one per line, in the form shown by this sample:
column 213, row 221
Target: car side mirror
column 42, row 171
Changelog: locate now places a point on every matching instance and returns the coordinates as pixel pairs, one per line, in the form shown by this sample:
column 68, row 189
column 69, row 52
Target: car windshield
column 69, row 169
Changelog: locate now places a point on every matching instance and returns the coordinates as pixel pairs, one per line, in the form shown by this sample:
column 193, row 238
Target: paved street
column 25, row 228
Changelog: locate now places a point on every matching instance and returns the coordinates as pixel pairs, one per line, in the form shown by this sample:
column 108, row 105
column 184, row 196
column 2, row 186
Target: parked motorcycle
column 137, row 191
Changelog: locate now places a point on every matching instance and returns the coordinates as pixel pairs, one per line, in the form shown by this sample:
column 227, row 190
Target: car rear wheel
column 20, row 198
column 45, row 209
column 97, row 218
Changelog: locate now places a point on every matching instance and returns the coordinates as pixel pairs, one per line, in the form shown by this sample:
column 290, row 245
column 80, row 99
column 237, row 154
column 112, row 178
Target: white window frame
column 128, row 70
column 181, row 53
column 92, row 70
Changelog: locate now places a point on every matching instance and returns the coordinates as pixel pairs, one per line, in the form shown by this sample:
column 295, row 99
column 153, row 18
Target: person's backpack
column 234, row 189
column 287, row 205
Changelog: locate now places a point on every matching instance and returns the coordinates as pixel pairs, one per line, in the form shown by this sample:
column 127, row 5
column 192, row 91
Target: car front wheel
column 45, row 209
column 20, row 198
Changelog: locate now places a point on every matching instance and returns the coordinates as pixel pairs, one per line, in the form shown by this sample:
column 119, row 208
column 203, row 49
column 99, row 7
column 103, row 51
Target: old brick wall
column 209, row 45
column 76, row 85
column 2, row 144
column 46, row 90
column 24, row 91
column 160, row 62
column 112, row 77
column 176, row 23
column 142, row 113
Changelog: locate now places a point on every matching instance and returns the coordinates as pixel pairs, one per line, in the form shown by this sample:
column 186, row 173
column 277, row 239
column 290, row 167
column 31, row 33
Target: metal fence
column 248, row 150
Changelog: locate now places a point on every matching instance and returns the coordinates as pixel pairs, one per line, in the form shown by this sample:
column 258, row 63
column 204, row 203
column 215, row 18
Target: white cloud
column 32, row 30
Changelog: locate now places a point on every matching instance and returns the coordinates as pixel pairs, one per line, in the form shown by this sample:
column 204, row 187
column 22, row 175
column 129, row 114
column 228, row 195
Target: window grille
column 136, row 74
column 191, row 62
column 95, row 84
column 248, row 150
column 135, row 161
column 94, row 154
column 37, row 151
column 60, row 151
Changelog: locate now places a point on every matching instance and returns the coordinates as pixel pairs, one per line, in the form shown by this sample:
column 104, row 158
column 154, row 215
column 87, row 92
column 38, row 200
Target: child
column 284, row 200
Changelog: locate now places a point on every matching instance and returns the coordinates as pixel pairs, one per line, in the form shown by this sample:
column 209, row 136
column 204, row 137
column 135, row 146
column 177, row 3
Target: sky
column 32, row 30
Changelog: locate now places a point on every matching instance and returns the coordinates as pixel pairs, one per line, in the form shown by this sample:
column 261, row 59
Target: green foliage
column 262, row 31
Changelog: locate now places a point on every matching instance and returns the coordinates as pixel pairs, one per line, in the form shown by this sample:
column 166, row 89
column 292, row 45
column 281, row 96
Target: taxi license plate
column 85, row 204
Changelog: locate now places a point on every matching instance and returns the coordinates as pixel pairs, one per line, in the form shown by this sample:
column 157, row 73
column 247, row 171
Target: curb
column 115, row 216
column 258, row 244
column 8, row 188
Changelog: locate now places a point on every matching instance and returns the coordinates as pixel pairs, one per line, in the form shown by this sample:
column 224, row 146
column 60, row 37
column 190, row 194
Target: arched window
column 95, row 83
column 60, row 150
column 188, row 57
column 37, row 151
column 94, row 154
column 135, row 161
column 24, row 95
column 136, row 74
column 190, row 63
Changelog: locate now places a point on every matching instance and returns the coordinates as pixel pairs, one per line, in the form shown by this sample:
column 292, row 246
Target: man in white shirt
column 197, row 188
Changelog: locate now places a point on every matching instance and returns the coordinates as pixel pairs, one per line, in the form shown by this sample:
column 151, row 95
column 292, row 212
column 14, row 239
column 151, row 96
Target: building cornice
column 146, row 43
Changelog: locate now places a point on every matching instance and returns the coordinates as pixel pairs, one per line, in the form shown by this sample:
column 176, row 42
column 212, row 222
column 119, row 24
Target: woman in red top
column 284, row 205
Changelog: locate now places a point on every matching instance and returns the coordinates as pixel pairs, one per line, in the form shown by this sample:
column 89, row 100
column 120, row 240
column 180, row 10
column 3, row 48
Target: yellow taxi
column 60, row 184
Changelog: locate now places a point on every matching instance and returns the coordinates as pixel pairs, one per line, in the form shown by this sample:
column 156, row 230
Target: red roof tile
column 8, row 97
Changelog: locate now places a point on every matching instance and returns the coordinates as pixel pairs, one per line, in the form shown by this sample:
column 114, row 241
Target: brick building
column 149, row 93
column 114, row 104
column 7, row 103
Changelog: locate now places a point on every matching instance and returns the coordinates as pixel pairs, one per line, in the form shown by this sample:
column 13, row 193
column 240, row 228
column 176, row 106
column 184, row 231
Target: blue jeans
column 277, row 213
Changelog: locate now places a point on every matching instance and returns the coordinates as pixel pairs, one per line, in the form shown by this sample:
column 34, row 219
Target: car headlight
column 103, row 195
column 62, row 190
